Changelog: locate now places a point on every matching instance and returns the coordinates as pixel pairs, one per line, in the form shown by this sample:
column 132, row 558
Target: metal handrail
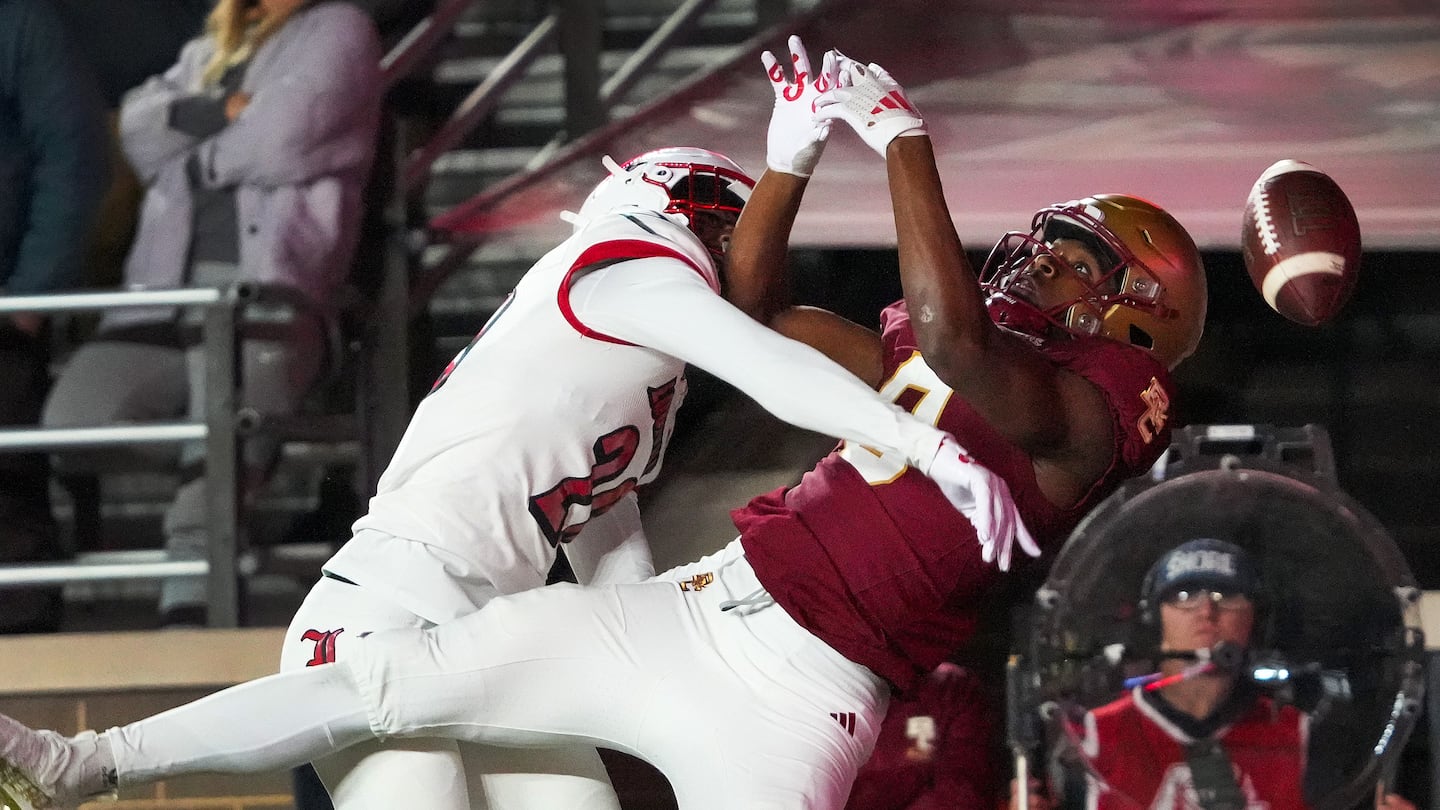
column 614, row 90
column 21, row 439
column 217, row 430
column 81, row 301
column 420, row 41
column 650, row 51
column 459, row 246
column 34, row 575
column 478, row 104
column 484, row 97
column 220, row 425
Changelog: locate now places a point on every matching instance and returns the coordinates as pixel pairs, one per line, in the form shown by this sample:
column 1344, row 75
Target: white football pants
column 739, row 708
column 429, row 772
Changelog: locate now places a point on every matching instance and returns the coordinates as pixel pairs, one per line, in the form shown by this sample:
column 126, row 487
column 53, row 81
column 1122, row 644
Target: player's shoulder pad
column 638, row 224
column 1107, row 362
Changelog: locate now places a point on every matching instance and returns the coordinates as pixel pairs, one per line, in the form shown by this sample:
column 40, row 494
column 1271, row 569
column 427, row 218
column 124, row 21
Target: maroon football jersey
column 867, row 554
column 937, row 748
column 1140, row 757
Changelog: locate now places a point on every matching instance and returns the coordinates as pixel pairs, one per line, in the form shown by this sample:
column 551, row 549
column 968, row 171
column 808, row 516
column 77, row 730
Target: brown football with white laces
column 1301, row 242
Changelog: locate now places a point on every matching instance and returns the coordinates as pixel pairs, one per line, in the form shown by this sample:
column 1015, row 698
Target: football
column 1301, row 242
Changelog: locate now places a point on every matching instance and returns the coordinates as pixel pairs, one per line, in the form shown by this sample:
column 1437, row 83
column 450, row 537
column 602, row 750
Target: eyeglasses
column 1193, row 600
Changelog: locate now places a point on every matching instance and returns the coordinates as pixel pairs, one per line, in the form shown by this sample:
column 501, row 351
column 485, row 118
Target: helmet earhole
column 1139, row 337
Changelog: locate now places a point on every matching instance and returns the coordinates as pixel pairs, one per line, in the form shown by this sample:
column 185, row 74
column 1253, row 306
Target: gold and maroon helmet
column 1151, row 294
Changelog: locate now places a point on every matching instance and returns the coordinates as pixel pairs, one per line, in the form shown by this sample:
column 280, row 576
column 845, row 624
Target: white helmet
column 674, row 180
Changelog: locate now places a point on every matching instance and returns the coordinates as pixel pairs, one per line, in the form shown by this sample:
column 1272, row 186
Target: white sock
column 268, row 724
column 91, row 767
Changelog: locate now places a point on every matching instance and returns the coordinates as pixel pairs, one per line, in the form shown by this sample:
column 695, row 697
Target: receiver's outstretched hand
column 869, row 100
column 795, row 139
column 984, row 498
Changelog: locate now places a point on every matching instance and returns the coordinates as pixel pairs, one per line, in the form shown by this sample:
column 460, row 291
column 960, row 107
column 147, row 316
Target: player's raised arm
column 756, row 280
column 755, row 277
column 1043, row 408
column 661, row 304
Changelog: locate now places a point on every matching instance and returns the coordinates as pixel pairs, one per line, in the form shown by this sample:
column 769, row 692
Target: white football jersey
column 538, row 426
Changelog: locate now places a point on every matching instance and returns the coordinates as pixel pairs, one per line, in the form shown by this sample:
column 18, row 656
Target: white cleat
column 43, row 770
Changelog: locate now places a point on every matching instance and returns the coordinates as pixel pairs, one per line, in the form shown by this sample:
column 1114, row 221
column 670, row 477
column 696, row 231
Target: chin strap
column 756, row 598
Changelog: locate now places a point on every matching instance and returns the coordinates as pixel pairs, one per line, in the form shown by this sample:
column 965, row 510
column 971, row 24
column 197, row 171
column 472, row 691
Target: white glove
column 984, row 498
column 866, row 98
column 795, row 139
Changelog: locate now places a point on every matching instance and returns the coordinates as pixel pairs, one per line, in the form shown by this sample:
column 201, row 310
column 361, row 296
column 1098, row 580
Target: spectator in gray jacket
column 52, row 177
column 255, row 148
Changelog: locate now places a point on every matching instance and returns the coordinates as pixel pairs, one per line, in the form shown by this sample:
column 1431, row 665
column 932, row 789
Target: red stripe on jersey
column 617, row 249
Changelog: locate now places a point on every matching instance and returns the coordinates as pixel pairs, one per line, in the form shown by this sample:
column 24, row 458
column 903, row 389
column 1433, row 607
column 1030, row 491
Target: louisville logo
column 324, row 641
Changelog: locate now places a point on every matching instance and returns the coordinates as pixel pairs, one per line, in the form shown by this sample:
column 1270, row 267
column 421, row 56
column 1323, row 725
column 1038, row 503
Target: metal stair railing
column 477, row 105
column 217, row 429
column 588, row 108
column 421, row 41
column 222, row 423
column 574, row 27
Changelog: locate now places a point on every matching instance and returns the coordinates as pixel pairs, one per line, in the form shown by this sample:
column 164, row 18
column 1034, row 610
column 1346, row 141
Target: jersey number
column 915, row 388
column 563, row 510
